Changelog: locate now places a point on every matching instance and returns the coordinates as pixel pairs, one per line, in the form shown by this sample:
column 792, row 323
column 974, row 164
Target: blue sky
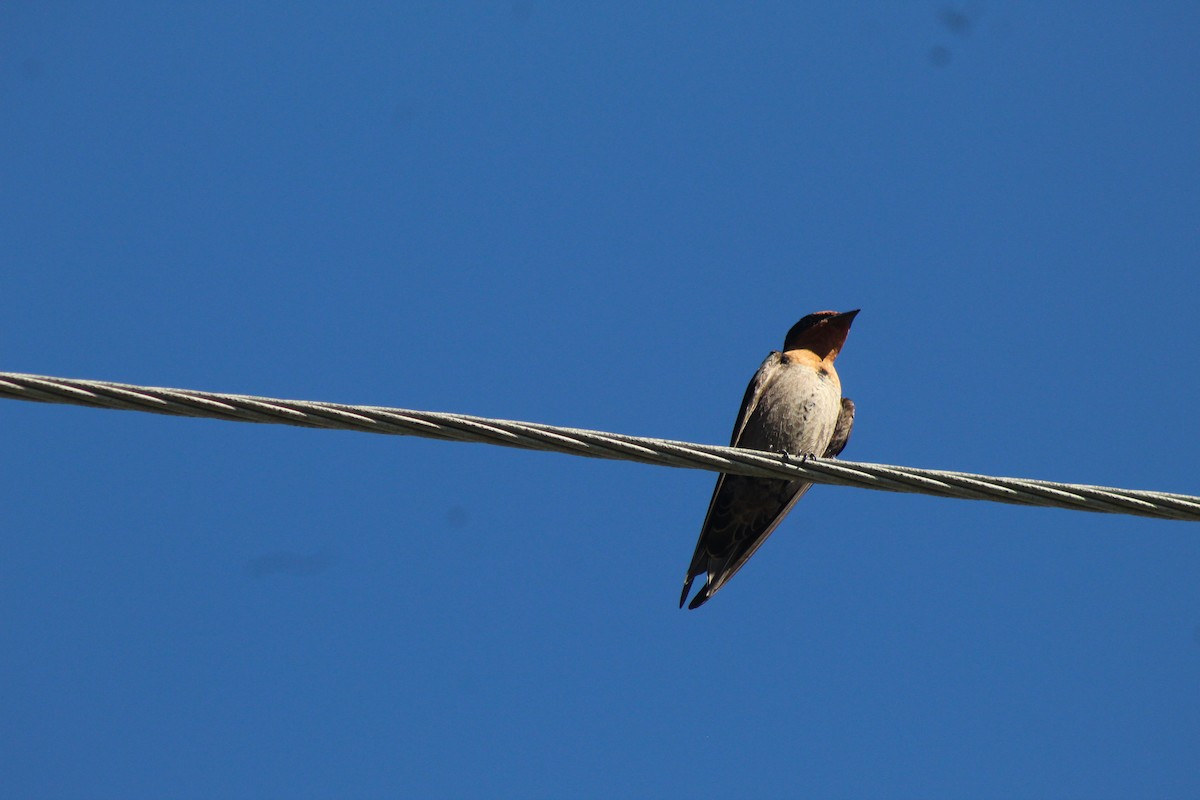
column 602, row 216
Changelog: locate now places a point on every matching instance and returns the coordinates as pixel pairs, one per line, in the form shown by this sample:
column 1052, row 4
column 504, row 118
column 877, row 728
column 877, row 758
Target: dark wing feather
column 767, row 372
column 841, row 432
column 744, row 512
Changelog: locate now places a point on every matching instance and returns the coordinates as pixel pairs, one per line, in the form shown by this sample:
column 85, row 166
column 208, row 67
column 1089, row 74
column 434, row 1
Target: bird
column 794, row 406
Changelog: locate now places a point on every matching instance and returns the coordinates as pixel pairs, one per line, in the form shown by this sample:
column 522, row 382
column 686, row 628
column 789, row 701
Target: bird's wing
column 841, row 432
column 767, row 372
column 743, row 511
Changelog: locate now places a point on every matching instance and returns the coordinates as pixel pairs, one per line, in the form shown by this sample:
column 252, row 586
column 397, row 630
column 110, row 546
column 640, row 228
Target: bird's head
column 823, row 333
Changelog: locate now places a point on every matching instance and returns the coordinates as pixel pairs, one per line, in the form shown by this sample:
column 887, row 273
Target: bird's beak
column 842, row 321
column 839, row 328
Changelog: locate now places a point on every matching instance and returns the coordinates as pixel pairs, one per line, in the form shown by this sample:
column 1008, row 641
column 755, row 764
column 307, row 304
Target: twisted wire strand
column 596, row 444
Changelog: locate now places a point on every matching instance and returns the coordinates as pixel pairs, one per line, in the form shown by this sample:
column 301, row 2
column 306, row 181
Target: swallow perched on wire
column 793, row 405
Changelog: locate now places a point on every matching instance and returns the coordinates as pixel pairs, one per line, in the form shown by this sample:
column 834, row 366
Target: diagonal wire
column 596, row 444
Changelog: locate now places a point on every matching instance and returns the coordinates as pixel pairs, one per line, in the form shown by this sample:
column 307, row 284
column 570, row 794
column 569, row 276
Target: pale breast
column 796, row 413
